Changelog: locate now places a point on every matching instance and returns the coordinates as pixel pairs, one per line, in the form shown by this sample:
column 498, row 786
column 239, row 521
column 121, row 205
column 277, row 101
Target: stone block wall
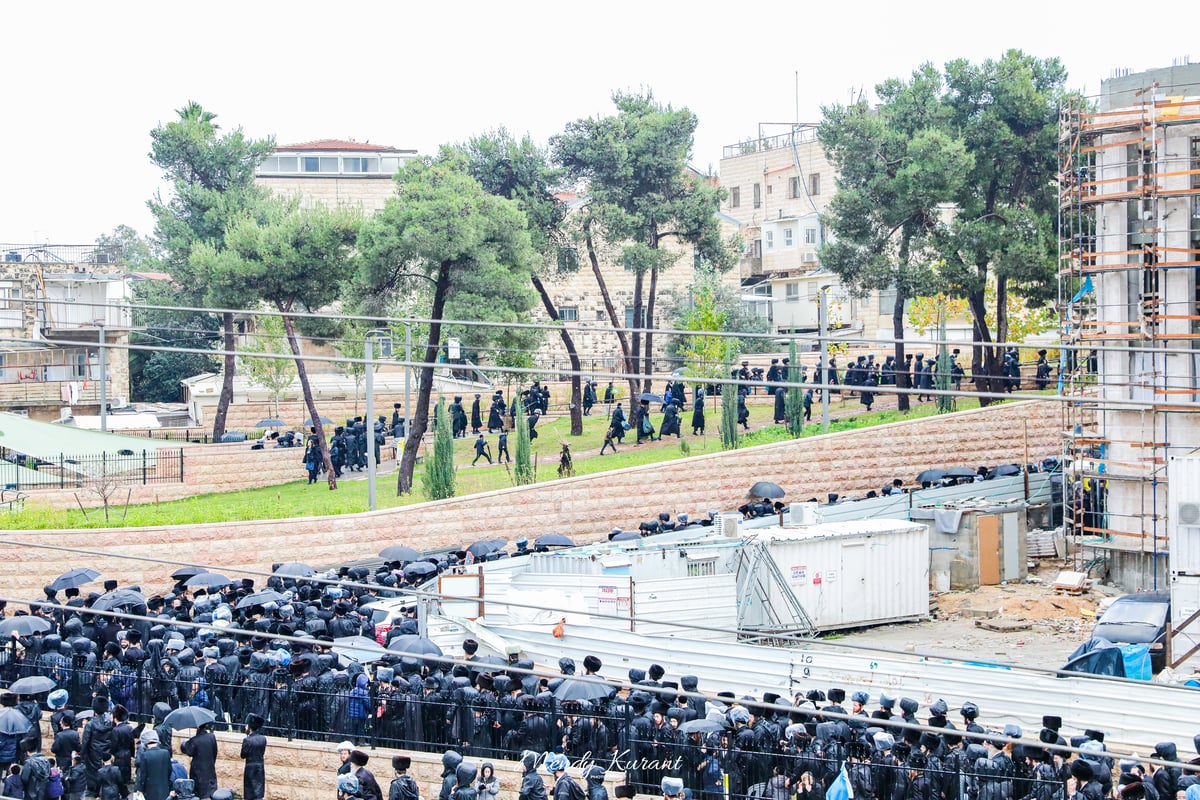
column 585, row 508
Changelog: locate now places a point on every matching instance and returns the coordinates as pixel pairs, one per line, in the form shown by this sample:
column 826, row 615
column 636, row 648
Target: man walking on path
column 482, row 450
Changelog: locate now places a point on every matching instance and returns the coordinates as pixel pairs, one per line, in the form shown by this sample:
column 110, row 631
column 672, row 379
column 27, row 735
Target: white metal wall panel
column 1183, row 480
column 1010, row 530
column 708, row 602
column 1185, row 600
column 1134, row 714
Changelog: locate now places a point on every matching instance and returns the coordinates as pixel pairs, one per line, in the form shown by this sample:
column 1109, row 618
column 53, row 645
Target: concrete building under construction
column 1130, row 300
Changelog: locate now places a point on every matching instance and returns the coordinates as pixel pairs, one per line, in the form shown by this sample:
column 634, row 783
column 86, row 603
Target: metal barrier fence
column 748, row 763
column 20, row 471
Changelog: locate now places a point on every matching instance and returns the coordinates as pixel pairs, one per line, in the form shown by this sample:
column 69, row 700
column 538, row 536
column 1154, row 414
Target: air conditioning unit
column 118, row 402
column 809, row 258
column 727, row 524
column 1188, row 514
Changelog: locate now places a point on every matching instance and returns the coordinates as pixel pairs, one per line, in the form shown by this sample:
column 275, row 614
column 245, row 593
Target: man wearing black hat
column 254, row 748
column 403, row 787
column 368, row 787
column 202, row 749
column 1082, row 784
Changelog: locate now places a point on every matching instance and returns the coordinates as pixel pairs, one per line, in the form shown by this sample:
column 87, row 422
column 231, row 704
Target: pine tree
column 729, row 413
column 439, row 467
column 523, row 471
column 793, row 405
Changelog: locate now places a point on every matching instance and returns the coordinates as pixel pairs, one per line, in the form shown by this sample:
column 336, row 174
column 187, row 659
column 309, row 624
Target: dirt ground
column 1042, row 626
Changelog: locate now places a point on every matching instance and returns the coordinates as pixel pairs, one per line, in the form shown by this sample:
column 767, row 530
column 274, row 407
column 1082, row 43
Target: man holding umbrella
column 202, row 749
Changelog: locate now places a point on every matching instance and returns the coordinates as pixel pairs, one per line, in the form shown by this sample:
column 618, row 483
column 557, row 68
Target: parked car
column 386, row 614
column 1140, row 618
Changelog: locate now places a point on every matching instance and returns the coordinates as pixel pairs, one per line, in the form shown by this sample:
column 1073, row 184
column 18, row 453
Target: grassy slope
column 298, row 499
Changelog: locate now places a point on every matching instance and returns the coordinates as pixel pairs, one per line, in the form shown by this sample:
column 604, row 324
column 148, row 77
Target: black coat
column 254, row 778
column 154, row 773
column 202, row 748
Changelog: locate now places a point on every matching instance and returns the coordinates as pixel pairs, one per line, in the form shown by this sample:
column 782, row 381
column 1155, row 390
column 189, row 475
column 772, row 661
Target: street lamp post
column 103, row 381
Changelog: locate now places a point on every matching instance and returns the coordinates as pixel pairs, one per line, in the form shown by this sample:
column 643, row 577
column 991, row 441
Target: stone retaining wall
column 585, row 508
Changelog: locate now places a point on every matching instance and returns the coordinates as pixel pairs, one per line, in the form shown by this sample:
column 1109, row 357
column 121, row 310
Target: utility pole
column 369, row 357
column 103, row 381
column 822, row 339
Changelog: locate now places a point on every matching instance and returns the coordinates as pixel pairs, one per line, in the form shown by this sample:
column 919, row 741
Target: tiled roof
column 338, row 145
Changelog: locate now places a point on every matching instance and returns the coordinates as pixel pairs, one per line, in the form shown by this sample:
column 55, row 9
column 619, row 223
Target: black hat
column 469, row 646
column 592, row 664
column 918, row 760
column 655, row 670
column 1053, row 723
column 659, row 707
column 908, row 705
column 929, row 740
column 401, row 763
column 109, row 585
column 836, row 695
column 1094, row 735
column 625, row 791
column 1035, row 753
column 1081, row 770
column 359, row 758
column 254, row 721
column 815, row 696
column 1048, row 736
column 912, row 736
column 937, row 721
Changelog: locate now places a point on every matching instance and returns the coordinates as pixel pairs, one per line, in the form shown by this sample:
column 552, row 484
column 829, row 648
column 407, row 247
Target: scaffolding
column 1129, row 203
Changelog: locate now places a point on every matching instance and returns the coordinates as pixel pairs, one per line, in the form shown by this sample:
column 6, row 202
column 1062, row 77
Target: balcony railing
column 46, row 393
column 61, row 253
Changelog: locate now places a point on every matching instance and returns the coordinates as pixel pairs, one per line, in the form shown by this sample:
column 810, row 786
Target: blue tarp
column 1137, row 662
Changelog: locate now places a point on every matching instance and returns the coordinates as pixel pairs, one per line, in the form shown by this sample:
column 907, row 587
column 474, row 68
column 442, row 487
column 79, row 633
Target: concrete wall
column 585, row 508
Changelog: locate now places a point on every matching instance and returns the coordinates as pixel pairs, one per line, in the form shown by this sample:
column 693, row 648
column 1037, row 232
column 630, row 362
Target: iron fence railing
column 125, row 467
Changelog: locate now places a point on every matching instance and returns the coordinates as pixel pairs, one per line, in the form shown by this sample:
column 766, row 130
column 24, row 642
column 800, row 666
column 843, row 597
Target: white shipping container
column 849, row 574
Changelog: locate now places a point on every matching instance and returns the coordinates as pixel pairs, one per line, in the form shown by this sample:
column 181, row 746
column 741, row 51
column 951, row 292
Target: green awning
column 48, row 441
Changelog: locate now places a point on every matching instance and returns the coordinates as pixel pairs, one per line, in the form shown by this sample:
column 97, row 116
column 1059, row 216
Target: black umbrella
column 625, row 536
column 766, row 490
column 189, row 717
column 931, row 476
column 577, row 689
column 13, row 722
column 420, row 568
column 1004, row 470
column 701, row 726
column 207, row 580
column 232, row 436
column 486, row 664
column 960, row 472
column 399, row 552
column 73, row 578
column 486, row 546
column 270, row 423
column 259, row 598
column 324, row 421
column 414, row 645
column 184, row 573
column 119, row 598
column 34, row 684
column 650, row 397
column 553, row 540
column 295, row 569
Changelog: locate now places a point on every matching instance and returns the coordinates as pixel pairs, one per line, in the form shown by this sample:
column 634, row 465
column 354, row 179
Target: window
column 758, row 195
column 79, row 364
column 360, row 164
column 791, row 292
column 600, row 315
column 568, row 313
column 11, row 308
column 770, row 188
column 793, row 188
column 319, row 164
column 630, row 322
column 810, row 235
column 814, row 183
column 787, row 237
column 758, row 248
column 699, row 569
column 735, row 197
column 770, row 239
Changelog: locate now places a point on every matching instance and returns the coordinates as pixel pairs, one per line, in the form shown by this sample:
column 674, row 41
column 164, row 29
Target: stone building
column 56, row 301
column 334, row 172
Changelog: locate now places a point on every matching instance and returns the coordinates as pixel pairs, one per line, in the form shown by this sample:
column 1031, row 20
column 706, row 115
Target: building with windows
column 1130, row 302
column 56, row 301
column 334, row 172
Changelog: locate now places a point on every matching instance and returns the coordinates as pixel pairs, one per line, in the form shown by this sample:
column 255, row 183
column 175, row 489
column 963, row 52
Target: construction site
column 1129, row 290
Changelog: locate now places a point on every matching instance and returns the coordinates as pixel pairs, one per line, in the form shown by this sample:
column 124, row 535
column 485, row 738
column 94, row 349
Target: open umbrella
column 625, row 536
column 1004, row 470
column 420, row 569
column 485, row 546
column 25, row 624
column 295, row 569
column 33, row 684
column 189, row 717
column 489, row 664
column 931, row 476
column 577, row 689
column 270, row 423
column 183, row 573
column 359, row 649
column 73, row 578
column 960, row 472
column 232, row 436
column 650, row 397
column 553, row 540
column 259, row 598
column 324, row 421
column 701, row 726
column 119, row 598
column 13, row 722
column 207, row 580
column 766, row 490
column 399, row 552
column 414, row 645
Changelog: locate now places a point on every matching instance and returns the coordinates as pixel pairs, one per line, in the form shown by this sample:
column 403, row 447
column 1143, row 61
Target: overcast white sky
column 84, row 83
